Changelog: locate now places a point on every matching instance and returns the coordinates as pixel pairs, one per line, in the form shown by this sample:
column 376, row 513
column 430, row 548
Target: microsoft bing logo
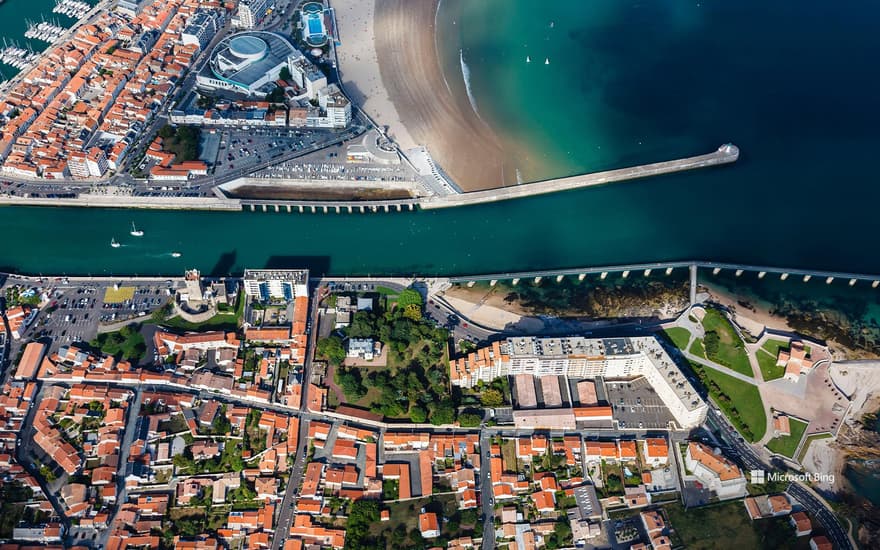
column 758, row 477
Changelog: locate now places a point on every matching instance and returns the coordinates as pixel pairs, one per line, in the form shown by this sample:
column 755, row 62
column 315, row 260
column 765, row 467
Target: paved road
column 486, row 493
column 750, row 459
column 285, row 516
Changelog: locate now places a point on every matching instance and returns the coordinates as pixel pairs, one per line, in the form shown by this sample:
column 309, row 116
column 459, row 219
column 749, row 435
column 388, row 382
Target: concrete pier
column 537, row 280
column 783, row 276
column 739, row 272
column 807, row 278
column 471, row 283
column 625, row 274
column 761, row 274
column 559, row 278
column 603, row 275
column 514, row 282
column 582, row 276
column 852, row 282
column 725, row 154
column 693, row 283
column 493, row 282
column 875, row 284
column 669, row 271
column 647, row 273
column 716, row 271
column 829, row 280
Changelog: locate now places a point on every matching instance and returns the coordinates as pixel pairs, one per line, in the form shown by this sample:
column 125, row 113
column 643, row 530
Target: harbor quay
column 725, row 154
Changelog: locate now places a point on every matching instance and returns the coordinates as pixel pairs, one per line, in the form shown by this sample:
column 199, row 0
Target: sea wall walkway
column 128, row 201
column 725, row 154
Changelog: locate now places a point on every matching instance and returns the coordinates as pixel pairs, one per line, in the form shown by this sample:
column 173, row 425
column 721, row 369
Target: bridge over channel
column 668, row 267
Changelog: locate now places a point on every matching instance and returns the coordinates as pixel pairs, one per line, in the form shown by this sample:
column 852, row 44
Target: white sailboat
column 176, row 254
column 114, row 243
column 135, row 232
column 528, row 59
column 546, row 61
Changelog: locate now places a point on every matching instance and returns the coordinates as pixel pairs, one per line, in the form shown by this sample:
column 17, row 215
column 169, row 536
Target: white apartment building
column 580, row 357
column 276, row 283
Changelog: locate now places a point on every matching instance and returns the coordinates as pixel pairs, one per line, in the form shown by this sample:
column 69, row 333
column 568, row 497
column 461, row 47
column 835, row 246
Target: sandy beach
column 389, row 64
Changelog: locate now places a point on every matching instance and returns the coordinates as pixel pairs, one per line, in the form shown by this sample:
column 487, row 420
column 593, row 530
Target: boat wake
column 466, row 74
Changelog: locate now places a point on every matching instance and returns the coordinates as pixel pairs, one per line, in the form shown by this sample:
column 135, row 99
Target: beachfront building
column 795, row 361
column 579, row 357
column 266, row 284
column 336, row 107
column 312, row 18
column 715, row 471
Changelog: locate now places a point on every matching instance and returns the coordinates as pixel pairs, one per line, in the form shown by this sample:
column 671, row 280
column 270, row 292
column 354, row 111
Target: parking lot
column 75, row 313
column 635, row 404
column 245, row 148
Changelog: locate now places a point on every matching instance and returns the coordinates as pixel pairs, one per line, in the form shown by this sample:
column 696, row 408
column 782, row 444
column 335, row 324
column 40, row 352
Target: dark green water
column 794, row 86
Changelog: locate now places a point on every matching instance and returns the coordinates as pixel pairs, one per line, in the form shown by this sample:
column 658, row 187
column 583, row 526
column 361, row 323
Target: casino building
column 248, row 63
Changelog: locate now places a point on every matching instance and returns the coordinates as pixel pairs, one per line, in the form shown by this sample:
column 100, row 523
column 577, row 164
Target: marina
column 44, row 31
column 71, row 8
column 15, row 56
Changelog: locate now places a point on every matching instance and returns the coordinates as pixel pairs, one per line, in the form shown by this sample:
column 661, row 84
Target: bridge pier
column 716, row 271
column 265, row 208
column 326, row 209
column 783, row 276
column 350, row 209
column 470, row 284
column 625, row 274
column 739, row 272
column 647, row 273
column 669, row 271
column 253, row 208
column 514, row 282
column 559, row 278
column 603, row 275
column 288, row 209
column 537, row 279
column 493, row 282
column 386, row 208
column 762, row 274
column 852, row 282
column 412, row 207
column 807, row 278
column 301, row 209
column 875, row 284
column 277, row 208
column 314, row 209
column 582, row 276
column 829, row 280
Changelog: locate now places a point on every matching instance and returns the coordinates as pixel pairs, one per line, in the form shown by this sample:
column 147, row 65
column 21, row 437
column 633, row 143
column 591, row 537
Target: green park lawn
column 731, row 352
column 742, row 405
column 787, row 445
column 727, row 526
column 678, row 336
column 697, row 348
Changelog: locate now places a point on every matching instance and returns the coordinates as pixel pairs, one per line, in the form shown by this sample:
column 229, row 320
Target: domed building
column 248, row 63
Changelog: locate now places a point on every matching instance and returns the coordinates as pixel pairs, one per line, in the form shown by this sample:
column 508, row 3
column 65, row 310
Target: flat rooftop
column 298, row 276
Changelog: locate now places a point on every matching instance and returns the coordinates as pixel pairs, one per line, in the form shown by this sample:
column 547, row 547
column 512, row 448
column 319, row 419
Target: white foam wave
column 466, row 74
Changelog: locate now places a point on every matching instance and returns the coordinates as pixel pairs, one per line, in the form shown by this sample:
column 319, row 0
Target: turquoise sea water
column 628, row 82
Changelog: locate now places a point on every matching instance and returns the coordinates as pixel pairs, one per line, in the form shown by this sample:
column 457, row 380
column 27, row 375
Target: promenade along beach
column 390, row 62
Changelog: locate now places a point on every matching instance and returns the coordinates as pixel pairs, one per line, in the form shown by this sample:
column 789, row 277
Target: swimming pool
column 316, row 26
